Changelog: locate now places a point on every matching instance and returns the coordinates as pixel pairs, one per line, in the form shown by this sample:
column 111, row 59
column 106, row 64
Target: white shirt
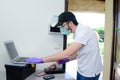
column 88, row 60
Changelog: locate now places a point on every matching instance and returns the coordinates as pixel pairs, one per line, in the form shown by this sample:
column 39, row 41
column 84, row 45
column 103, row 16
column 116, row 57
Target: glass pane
column 118, row 48
column 117, row 73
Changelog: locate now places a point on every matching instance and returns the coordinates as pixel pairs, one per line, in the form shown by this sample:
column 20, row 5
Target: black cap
column 65, row 17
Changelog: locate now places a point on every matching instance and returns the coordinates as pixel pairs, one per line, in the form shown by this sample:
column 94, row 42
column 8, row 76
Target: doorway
column 86, row 15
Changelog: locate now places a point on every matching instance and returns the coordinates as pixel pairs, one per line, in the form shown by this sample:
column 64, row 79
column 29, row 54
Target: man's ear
column 70, row 23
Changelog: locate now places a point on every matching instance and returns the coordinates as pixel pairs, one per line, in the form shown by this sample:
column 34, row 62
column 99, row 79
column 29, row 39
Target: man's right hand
column 34, row 60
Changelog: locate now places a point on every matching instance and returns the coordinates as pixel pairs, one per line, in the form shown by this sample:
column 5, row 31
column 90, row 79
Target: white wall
column 26, row 22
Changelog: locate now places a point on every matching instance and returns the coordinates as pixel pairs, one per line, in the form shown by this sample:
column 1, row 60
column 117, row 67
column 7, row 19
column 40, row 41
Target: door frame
column 64, row 36
column 114, row 43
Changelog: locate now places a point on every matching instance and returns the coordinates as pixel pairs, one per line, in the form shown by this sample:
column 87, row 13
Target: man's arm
column 74, row 56
column 70, row 53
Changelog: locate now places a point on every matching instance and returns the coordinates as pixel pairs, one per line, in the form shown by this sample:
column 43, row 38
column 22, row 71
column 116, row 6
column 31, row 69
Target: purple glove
column 63, row 61
column 34, row 60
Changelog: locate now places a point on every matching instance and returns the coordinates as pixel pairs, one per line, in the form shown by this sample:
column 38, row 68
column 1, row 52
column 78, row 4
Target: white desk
column 39, row 67
column 57, row 77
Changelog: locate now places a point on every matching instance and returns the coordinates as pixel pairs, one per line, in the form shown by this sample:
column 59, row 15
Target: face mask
column 65, row 31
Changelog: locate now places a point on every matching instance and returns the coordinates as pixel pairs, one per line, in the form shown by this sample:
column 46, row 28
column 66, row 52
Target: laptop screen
column 11, row 49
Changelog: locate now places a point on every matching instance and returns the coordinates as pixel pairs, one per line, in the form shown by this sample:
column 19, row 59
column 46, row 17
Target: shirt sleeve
column 83, row 36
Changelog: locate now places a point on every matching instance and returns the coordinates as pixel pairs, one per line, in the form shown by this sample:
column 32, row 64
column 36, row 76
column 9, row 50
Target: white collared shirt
column 88, row 60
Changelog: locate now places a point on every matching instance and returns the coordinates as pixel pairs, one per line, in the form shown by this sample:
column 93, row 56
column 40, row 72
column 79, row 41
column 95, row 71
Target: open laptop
column 12, row 52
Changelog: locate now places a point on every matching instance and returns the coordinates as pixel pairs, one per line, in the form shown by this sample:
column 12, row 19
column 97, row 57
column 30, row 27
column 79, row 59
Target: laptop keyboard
column 22, row 59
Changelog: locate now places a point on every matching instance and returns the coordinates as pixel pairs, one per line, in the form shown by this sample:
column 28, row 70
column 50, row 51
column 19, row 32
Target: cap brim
column 58, row 24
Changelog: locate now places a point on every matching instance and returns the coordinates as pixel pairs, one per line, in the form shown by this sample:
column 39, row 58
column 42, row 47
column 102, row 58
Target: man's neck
column 74, row 28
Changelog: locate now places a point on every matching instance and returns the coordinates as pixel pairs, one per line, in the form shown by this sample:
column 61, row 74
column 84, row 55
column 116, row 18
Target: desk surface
column 39, row 67
column 64, row 76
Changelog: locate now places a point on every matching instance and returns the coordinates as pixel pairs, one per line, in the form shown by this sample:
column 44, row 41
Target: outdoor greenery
column 100, row 31
column 118, row 50
column 118, row 56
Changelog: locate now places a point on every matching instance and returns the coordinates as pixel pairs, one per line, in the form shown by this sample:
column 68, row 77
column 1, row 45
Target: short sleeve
column 82, row 36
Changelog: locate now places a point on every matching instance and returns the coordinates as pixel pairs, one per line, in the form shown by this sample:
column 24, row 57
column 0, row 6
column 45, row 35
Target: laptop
column 13, row 54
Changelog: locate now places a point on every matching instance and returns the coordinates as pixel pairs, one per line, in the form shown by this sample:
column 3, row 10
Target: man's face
column 66, row 25
column 65, row 29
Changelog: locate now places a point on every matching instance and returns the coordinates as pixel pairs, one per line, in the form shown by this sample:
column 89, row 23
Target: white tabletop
column 40, row 67
column 64, row 76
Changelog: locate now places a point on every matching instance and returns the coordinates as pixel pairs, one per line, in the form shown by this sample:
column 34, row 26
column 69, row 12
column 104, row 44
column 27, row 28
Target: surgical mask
column 64, row 31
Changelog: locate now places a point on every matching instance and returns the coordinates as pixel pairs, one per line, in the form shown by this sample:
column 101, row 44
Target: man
column 84, row 47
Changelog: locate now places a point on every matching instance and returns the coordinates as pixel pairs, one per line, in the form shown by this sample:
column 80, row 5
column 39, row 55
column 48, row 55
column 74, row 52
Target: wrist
column 42, row 60
column 63, row 61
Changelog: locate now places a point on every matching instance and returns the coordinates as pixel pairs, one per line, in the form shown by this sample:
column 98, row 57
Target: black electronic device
column 48, row 77
column 19, row 71
column 54, row 69
column 54, row 30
